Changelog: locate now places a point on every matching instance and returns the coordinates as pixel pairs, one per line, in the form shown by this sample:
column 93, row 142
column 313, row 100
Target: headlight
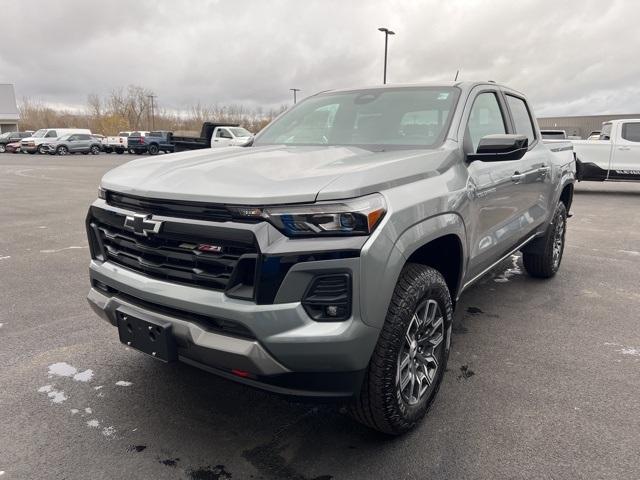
column 102, row 193
column 358, row 216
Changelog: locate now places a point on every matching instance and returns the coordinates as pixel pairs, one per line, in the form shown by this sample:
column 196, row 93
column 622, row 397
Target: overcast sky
column 569, row 57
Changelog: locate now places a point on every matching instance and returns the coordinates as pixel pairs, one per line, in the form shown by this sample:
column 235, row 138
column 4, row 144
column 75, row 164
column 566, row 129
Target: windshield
column 240, row 132
column 383, row 117
column 40, row 133
column 5, row 135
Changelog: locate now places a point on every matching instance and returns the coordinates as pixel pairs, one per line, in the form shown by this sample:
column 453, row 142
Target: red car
column 12, row 147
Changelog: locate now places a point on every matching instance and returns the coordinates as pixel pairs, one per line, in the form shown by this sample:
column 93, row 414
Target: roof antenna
column 456, row 79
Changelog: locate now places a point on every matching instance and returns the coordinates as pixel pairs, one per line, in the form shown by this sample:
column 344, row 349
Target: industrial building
column 581, row 126
column 9, row 114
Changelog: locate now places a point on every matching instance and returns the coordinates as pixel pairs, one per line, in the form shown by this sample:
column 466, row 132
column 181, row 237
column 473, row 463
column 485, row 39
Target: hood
column 270, row 175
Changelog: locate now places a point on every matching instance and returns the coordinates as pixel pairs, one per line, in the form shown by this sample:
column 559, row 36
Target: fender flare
column 382, row 278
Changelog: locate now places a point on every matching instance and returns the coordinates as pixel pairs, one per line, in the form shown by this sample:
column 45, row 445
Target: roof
column 464, row 85
column 8, row 106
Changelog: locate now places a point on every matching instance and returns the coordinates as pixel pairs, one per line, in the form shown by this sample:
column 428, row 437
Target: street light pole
column 295, row 98
column 153, row 113
column 386, row 32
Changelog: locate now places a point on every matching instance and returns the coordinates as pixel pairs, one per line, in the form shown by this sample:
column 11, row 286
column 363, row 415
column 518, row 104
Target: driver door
column 493, row 189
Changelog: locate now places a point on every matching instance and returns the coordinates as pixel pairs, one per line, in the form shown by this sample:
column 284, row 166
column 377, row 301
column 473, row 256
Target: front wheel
column 95, row 150
column 542, row 257
column 41, row 150
column 62, row 150
column 2, row 148
column 408, row 363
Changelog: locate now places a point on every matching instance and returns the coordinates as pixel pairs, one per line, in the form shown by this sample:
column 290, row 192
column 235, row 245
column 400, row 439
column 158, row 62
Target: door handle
column 624, row 148
column 517, row 177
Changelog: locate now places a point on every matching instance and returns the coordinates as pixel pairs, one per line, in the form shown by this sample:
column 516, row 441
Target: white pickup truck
column 614, row 156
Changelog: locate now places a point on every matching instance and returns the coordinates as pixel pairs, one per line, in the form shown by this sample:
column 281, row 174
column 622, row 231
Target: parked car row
column 63, row 141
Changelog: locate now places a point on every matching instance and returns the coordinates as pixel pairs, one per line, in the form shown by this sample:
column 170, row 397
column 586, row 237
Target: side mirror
column 501, row 147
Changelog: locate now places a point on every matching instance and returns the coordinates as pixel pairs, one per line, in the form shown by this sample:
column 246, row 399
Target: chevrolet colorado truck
column 615, row 156
column 326, row 258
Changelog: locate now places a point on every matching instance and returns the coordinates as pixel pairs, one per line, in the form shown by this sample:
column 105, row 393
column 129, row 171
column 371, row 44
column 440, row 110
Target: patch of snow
column 509, row 272
column 61, row 249
column 123, row 383
column 62, row 369
column 88, row 410
column 630, row 351
column 74, row 411
column 630, row 252
column 1, row 324
column 98, row 387
column 57, row 396
column 42, row 226
column 93, row 423
column 108, row 431
column 45, row 389
column 85, row 376
column 5, row 258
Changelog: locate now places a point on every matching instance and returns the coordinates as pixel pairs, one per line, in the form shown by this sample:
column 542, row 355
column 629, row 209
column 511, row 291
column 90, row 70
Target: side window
column 605, row 134
column 631, row 132
column 521, row 118
column 72, row 138
column 51, row 134
column 485, row 118
column 223, row 133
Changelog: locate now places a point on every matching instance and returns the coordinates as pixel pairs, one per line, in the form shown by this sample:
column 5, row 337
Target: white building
column 9, row 115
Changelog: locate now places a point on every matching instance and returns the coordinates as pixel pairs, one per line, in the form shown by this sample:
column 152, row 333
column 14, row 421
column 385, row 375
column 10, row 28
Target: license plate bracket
column 151, row 336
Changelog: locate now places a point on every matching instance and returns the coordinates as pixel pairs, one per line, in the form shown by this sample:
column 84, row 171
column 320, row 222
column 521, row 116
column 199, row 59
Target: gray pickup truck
column 326, row 258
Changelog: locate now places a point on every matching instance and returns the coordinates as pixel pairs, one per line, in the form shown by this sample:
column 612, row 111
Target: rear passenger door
column 495, row 202
column 83, row 142
column 535, row 185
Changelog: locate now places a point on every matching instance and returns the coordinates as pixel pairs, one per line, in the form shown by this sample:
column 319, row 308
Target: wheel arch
column 420, row 243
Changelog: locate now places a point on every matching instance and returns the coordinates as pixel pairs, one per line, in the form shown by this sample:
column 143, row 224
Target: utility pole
column 386, row 32
column 153, row 113
column 295, row 98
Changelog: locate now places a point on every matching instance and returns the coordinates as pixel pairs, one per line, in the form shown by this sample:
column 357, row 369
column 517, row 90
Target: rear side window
column 485, row 118
column 521, row 118
column 631, row 132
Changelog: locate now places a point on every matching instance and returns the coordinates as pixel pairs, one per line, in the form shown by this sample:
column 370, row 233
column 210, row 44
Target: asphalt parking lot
column 543, row 380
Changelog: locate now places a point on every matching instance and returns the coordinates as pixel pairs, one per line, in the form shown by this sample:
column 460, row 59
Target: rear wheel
column 62, row 150
column 153, row 149
column 542, row 257
column 2, row 148
column 409, row 361
column 119, row 151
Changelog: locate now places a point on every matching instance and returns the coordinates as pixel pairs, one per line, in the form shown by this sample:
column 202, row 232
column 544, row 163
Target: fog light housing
column 328, row 298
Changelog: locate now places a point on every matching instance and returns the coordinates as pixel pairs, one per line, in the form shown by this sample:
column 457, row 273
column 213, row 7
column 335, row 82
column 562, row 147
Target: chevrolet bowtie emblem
column 141, row 224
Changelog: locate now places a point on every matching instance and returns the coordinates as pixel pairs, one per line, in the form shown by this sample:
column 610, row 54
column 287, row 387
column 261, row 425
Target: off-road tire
column 538, row 257
column 380, row 404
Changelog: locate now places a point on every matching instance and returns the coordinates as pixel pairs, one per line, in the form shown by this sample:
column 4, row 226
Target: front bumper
column 28, row 148
column 285, row 352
